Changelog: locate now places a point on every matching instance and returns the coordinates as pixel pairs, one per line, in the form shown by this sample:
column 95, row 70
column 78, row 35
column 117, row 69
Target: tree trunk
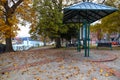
column 44, row 41
column 58, row 42
column 99, row 34
column 8, row 14
column 9, row 47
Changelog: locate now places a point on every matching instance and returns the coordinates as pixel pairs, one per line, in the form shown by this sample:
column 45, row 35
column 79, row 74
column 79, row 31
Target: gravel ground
column 116, row 63
column 57, row 64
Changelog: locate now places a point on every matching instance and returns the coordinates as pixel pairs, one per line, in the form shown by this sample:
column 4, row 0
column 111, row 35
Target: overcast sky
column 24, row 31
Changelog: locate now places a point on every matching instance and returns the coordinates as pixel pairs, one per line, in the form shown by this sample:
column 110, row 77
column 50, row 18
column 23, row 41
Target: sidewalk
column 60, row 64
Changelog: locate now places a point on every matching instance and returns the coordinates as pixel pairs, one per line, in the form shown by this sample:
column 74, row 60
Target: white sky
column 24, row 31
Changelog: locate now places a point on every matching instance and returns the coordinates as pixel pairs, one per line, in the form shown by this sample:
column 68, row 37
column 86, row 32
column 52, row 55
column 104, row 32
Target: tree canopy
column 110, row 23
column 12, row 13
column 45, row 17
column 50, row 19
column 50, row 14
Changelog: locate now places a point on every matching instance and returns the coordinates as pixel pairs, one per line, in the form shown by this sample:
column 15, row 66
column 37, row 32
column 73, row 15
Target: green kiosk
column 85, row 13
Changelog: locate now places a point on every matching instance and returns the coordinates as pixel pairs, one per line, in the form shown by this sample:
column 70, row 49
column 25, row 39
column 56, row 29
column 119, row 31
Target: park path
column 60, row 61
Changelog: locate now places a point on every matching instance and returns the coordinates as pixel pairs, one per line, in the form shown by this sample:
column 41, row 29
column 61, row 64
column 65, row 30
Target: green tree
column 50, row 18
column 110, row 23
column 97, row 28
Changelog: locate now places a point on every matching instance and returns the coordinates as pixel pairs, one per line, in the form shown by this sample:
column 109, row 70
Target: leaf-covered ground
column 60, row 64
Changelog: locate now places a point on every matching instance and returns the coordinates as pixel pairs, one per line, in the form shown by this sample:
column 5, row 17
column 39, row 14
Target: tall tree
column 110, row 23
column 50, row 18
column 13, row 12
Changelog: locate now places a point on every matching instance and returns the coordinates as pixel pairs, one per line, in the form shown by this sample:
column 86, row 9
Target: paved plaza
column 60, row 64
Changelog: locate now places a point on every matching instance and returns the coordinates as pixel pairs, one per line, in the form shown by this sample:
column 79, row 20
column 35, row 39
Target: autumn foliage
column 12, row 13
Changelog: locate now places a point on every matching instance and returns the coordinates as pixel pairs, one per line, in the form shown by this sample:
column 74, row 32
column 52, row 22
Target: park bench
column 104, row 44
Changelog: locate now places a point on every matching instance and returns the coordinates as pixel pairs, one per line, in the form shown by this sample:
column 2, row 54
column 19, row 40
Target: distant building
column 25, row 43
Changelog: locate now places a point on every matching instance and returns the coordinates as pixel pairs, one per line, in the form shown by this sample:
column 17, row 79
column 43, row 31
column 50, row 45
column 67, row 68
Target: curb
column 107, row 59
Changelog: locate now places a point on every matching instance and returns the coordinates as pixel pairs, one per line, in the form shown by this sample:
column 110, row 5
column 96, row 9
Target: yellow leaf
column 14, row 65
column 94, row 78
column 63, row 73
column 101, row 70
column 111, row 71
column 37, row 78
column 62, row 67
column 106, row 75
column 6, row 73
column 3, row 1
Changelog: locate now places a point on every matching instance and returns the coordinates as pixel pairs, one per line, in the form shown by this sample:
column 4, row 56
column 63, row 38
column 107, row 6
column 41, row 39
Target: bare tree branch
column 91, row 0
column 83, row 0
column 6, row 6
column 13, row 1
column 16, row 5
column 103, row 1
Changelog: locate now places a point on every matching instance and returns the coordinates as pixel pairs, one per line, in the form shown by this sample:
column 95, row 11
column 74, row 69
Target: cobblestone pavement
column 60, row 64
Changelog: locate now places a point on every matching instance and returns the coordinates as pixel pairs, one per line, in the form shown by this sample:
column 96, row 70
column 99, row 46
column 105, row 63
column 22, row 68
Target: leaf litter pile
column 50, row 64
